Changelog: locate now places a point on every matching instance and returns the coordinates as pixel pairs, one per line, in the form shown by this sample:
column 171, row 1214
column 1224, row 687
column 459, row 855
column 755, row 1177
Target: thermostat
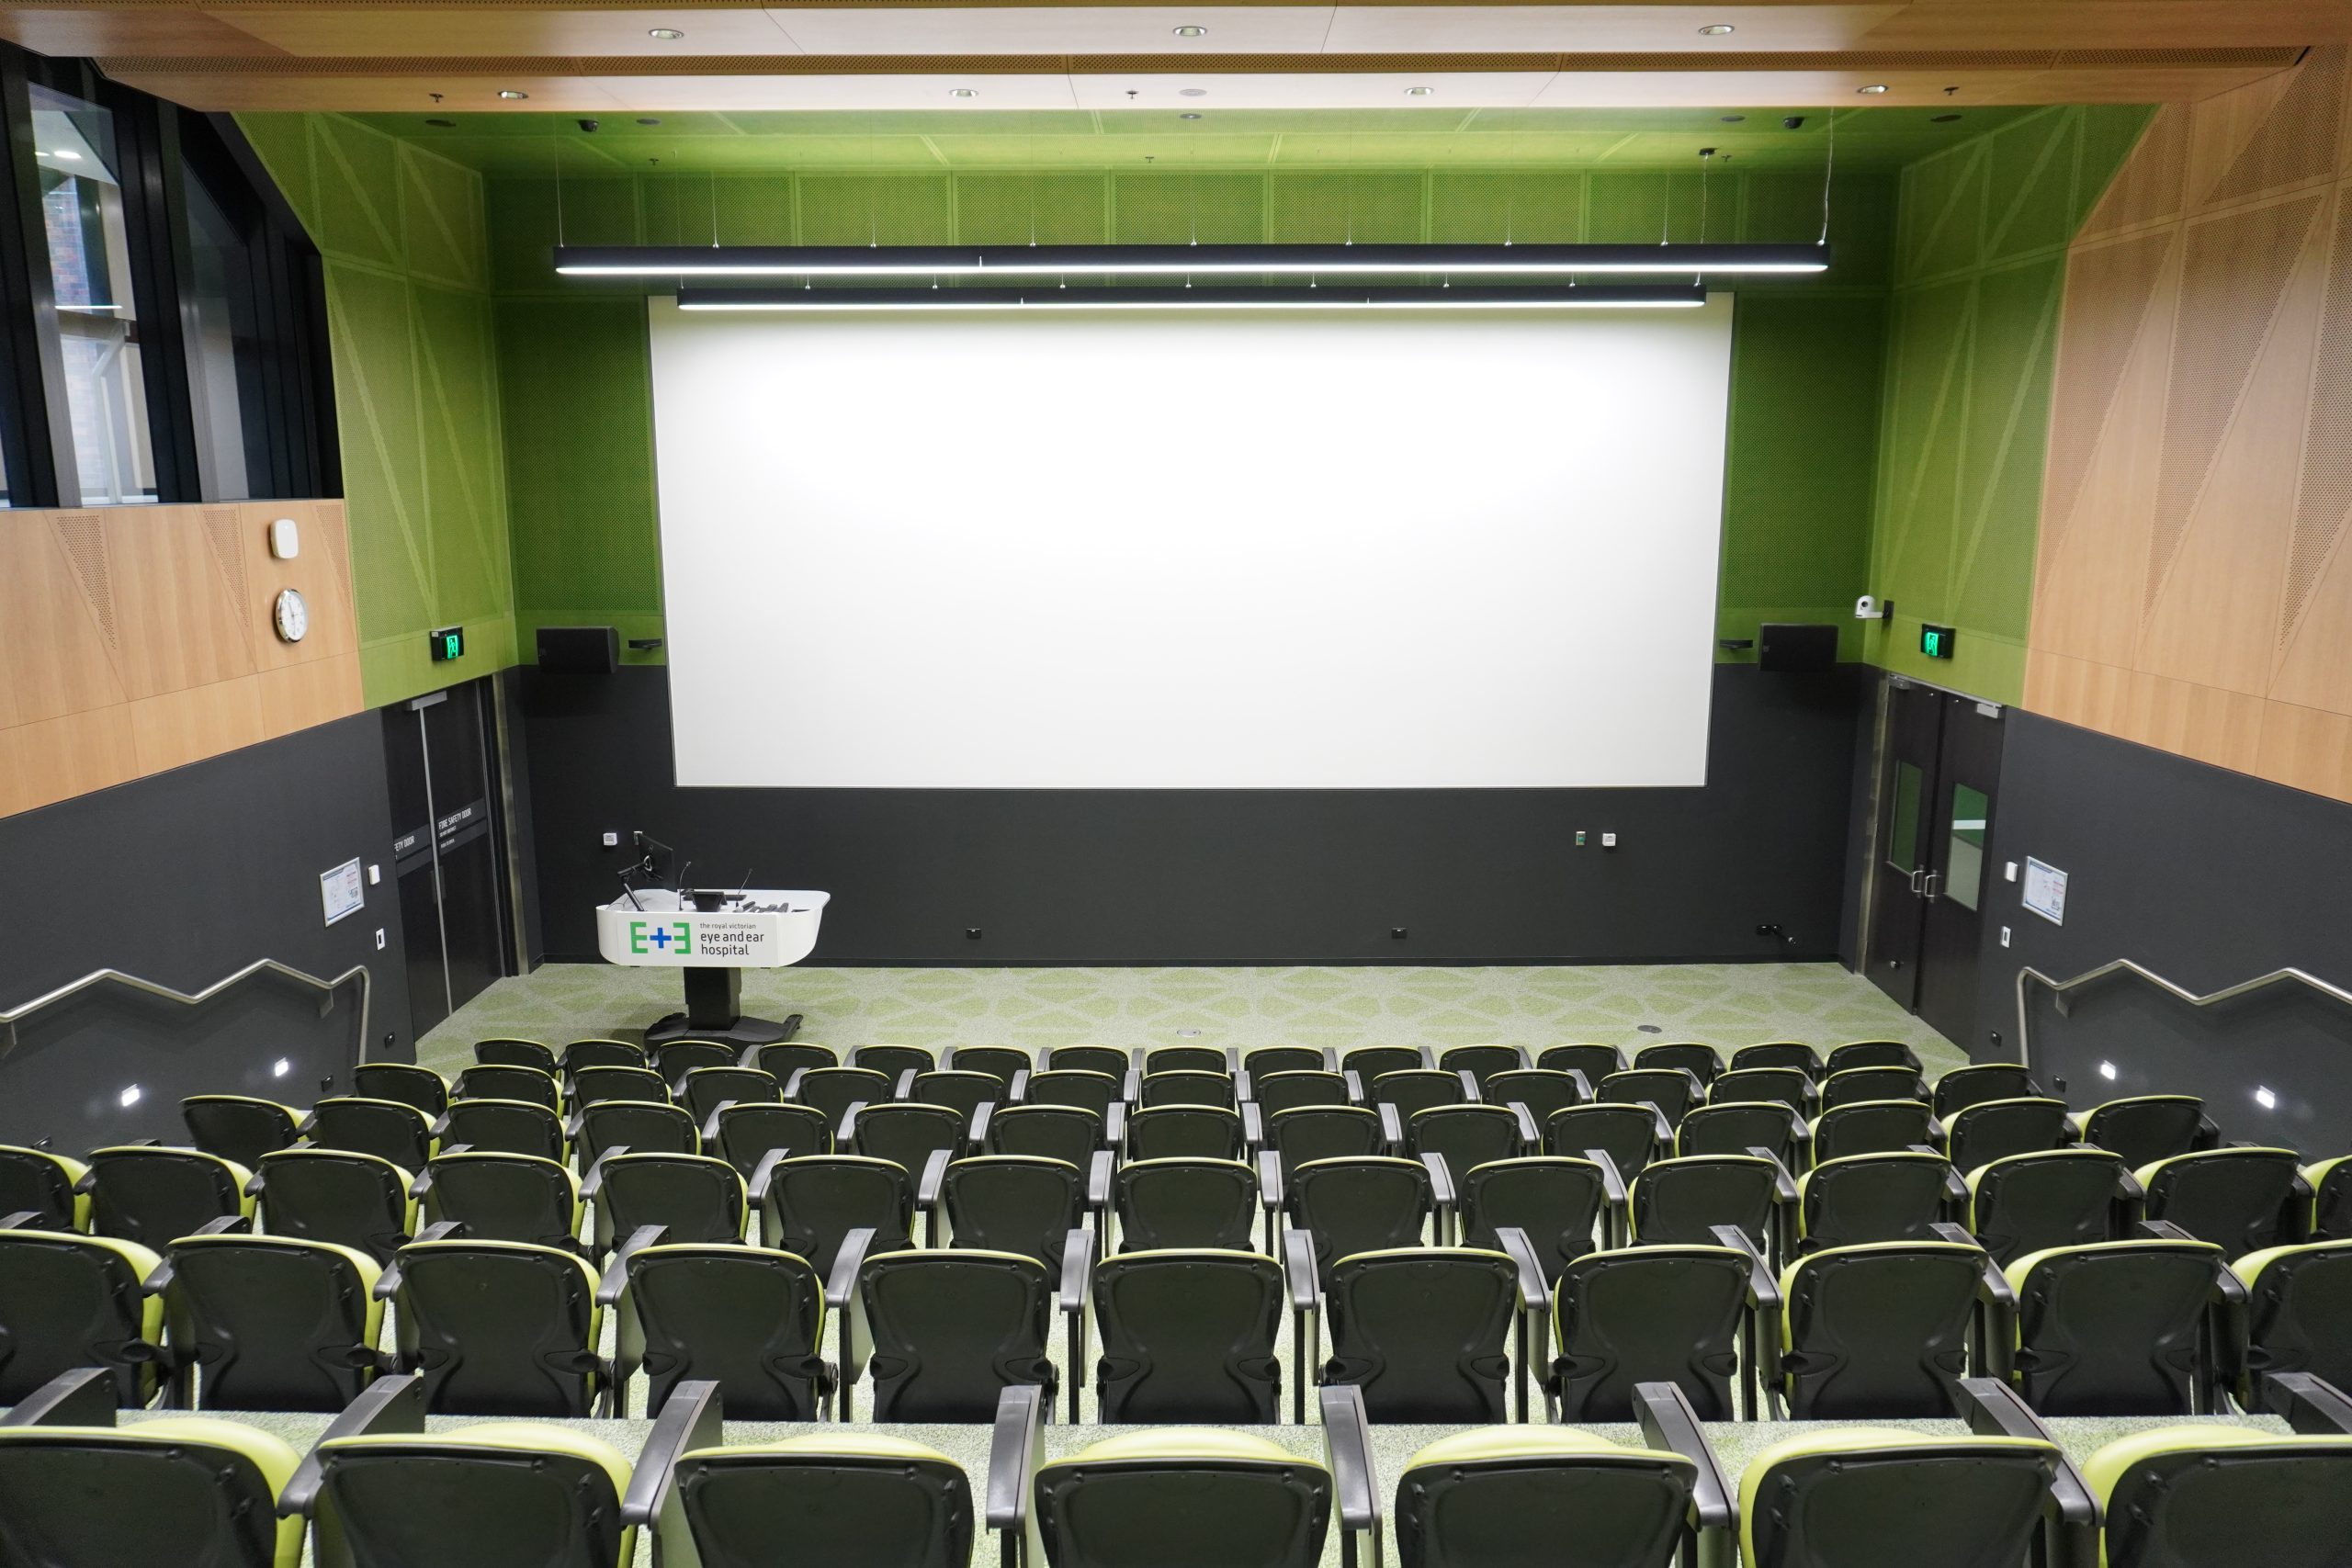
column 284, row 539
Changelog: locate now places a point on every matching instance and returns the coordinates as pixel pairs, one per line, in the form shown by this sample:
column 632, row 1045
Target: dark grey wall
column 1265, row 876
column 2205, row 876
column 183, row 878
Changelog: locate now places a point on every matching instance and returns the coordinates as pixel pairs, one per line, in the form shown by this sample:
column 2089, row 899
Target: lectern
column 712, row 937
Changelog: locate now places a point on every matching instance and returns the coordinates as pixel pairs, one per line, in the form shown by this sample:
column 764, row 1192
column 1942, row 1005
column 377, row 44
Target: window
column 222, row 346
column 97, row 319
column 1972, row 812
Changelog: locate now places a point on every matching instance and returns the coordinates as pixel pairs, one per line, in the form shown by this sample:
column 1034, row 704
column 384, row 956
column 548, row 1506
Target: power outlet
column 2005, row 936
column 380, row 938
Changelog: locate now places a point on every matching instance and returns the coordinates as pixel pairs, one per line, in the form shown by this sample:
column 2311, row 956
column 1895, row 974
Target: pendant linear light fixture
column 1014, row 261
column 1353, row 296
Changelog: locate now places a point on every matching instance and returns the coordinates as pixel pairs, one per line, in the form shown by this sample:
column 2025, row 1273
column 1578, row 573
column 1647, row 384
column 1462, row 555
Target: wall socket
column 380, row 938
column 2005, row 936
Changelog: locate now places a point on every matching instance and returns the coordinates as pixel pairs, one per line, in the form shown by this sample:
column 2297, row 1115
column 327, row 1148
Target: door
column 1938, row 778
column 447, row 854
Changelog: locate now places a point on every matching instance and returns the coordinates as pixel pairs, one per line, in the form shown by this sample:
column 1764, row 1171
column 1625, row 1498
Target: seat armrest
column 843, row 1299
column 1531, row 1136
column 905, row 1088
column 848, row 1128
column 1392, row 1128
column 1243, row 1089
column 1535, row 1291
column 763, row 1176
column 160, row 1279
column 387, row 1407
column 573, row 1125
column 1018, row 1092
column 1471, row 1093
column 23, row 1220
column 976, row 1138
column 1992, row 1409
column 1784, row 1186
column 1253, row 1126
column 84, row 1397
column 1763, row 1291
column 440, row 1128
column 2311, row 1405
column 2162, row 1230
column 1669, row 1423
column 388, row 1284
column 691, row 1418
column 255, row 1184
column 1115, row 1127
column 615, row 1279
column 1355, row 1474
column 792, row 1084
column 1330, row 1058
column 1584, row 1085
column 1441, row 1179
column 1017, row 1450
column 2130, row 1190
column 710, row 1123
column 1612, row 1184
column 934, row 1177
column 749, row 1057
column 1072, row 1299
column 1356, row 1086
column 308, row 1125
column 1428, row 1059
column 841, row 1285
column 592, row 1185
column 1664, row 1127
column 1131, row 1086
column 1996, row 1290
column 424, row 1182
column 1099, row 1173
column 1298, row 1267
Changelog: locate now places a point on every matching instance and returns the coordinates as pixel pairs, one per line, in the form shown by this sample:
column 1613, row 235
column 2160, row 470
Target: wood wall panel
column 137, row 639
column 2193, row 589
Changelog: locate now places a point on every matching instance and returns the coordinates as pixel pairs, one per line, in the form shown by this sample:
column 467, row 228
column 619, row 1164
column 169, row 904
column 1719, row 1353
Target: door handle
column 1927, row 890
column 1917, row 877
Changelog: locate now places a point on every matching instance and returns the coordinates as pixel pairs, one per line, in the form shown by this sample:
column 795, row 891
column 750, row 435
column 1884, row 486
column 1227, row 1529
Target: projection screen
column 1191, row 550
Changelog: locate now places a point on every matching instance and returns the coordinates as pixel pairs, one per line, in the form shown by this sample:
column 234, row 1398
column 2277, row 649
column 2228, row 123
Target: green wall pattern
column 1979, row 273
column 1806, row 355
column 410, row 320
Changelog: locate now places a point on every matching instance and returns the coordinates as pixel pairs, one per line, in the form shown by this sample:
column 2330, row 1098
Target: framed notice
column 2045, row 891
column 341, row 891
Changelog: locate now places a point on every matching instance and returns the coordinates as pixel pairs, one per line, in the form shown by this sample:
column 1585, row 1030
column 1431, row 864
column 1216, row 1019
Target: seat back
column 1878, row 1330
column 506, row 1126
column 1782, row 1086
column 594, row 1086
column 1778, row 1054
column 1368, row 1204
column 1648, row 1314
column 1865, row 1198
column 1421, row 1332
column 641, row 1126
column 1994, row 1129
column 1541, row 1089
column 498, row 1328
column 273, row 1322
column 694, row 1198
column 69, row 1302
column 238, row 1127
column 599, row 1052
column 2214, row 1496
column 703, row 1089
column 505, row 1198
column 385, row 1128
column 1003, row 1062
column 673, row 1059
column 1701, row 1062
column 37, row 1182
column 1853, row 1086
column 861, row 1501
column 1263, row 1061
column 1189, row 1335
column 1735, row 1128
column 1288, row 1091
column 1369, row 1062
column 953, row 1329
column 1188, row 1086
column 1973, row 1084
column 1594, row 1061
column 1680, row 1201
column 1107, row 1059
column 893, row 1060
column 1555, row 1199
column 1672, row 1089
column 747, row 1318
column 181, row 1489
column 1322, row 1132
column 786, row 1057
column 2331, row 1199
column 2241, row 1200
column 1186, row 1132
column 1863, row 1497
column 1871, row 1053
column 1184, row 1059
column 1415, row 1089
column 153, row 1196
column 1526, row 1495
column 962, row 1092
column 1182, row 1496
column 835, row 1089
column 403, row 1081
column 2147, row 1128
column 906, row 1132
column 501, row 1080
column 1872, row 1127
column 749, row 1131
column 1626, row 1133
column 2298, row 1314
column 1051, row 1131
column 814, row 1202
column 337, row 1197
column 2114, row 1328
column 512, row 1493
column 2023, row 1203
column 1165, row 1204
column 1014, row 1204
column 1466, row 1134
column 517, row 1052
column 1482, row 1062
column 1086, row 1088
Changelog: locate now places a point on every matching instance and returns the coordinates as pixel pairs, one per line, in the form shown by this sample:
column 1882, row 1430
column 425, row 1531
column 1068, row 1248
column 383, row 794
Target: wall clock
column 292, row 616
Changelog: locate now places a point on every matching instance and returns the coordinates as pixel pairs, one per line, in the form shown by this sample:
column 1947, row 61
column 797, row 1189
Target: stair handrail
column 2061, row 989
column 10, row 1017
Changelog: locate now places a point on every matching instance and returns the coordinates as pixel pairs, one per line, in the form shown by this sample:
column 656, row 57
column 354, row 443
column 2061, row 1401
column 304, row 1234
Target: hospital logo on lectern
column 669, row 938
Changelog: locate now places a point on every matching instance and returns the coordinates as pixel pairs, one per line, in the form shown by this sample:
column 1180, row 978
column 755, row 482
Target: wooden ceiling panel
column 1390, row 28
column 2110, row 24
column 503, row 30
column 124, row 30
column 1142, row 30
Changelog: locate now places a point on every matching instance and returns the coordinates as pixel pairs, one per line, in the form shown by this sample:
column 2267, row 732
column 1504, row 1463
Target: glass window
column 1903, row 824
column 96, row 322
column 1971, row 809
column 221, row 341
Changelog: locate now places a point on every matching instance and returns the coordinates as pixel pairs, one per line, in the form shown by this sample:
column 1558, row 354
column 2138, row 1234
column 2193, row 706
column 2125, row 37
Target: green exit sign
column 449, row 643
column 1936, row 641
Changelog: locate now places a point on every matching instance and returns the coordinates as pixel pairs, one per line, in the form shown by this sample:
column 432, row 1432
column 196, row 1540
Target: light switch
column 2011, row 872
column 2005, row 936
column 612, row 841
column 375, row 875
column 1608, row 840
column 380, row 938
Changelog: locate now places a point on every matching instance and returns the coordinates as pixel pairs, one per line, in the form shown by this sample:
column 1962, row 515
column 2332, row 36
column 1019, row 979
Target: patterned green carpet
column 1725, row 1005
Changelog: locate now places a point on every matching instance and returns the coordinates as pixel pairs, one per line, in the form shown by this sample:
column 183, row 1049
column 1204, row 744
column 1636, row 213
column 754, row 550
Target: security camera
column 588, row 125
column 1793, row 122
column 1869, row 609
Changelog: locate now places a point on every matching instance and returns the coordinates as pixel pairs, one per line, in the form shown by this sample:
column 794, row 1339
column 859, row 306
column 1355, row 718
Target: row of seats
column 379, row 1488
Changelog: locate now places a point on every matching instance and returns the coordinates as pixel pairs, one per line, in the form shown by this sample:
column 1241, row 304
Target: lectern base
column 742, row 1032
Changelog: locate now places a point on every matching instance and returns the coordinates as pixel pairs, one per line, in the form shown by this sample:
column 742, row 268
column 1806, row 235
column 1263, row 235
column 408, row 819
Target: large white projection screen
column 1191, row 550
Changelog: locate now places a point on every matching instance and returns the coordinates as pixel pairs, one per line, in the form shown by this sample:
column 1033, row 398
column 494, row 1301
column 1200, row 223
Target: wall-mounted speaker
column 1787, row 644
column 580, row 650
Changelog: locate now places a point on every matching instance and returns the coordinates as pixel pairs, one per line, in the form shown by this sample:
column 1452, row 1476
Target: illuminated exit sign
column 449, row 643
column 1936, row 641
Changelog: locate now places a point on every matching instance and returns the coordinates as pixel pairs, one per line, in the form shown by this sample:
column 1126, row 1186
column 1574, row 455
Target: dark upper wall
column 1145, row 877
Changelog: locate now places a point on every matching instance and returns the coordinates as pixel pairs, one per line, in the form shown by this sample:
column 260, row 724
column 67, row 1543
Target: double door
column 447, row 852
column 1937, row 775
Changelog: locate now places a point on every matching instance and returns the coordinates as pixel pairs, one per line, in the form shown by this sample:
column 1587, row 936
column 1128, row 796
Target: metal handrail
column 10, row 1019
column 2062, row 988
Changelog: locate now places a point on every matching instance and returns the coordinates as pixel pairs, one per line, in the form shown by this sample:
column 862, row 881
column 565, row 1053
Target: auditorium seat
column 1701, row 1062
column 1672, row 1090
column 598, row 1053
column 835, row 1089
column 1873, row 1126
column 2024, row 1204
column 751, row 1319
column 2145, row 1128
column 592, row 1085
column 1183, row 1494
column 1964, row 1087
column 1483, row 1062
column 1782, row 1086
column 385, row 1128
column 743, row 1132
column 809, row 1205
column 502, row 1197
column 1900, row 1195
column 1187, row 1086
column 1274, row 1093
column 506, row 1126
column 943, row 1333
column 1003, row 1062
column 1088, row 1088
column 644, row 1126
column 2220, row 1496
column 893, row 1060
column 517, row 1052
column 2330, row 1185
column 786, row 1057
column 1369, row 1062
column 1556, row 1200
column 273, row 1322
column 419, row 1086
column 69, row 1301
column 1792, row 1053
column 37, row 1191
column 1262, row 1061
column 1541, row 1089
column 1742, row 1126
column 1680, row 1201
column 673, row 1059
column 1370, row 1203
column 2119, row 1328
column 1012, row 1203
column 1189, row 1205
column 1468, row 1136
column 1594, row 1061
column 962, row 1092
column 1855, row 1086
column 151, row 1195
column 1878, row 1330
column 1629, row 1134
column 1871, row 1053
column 1546, row 1498
column 1185, row 1059
column 1052, row 1132
column 1322, row 1132
column 1994, row 1129
column 1104, row 1059
column 855, row 1500
column 703, row 1089
column 694, row 1198
column 902, row 1131
column 1188, row 1334
column 238, row 1127
column 1422, row 1332
column 2241, row 1200
column 1188, row 1132
column 2297, row 1316
column 1859, row 1496
column 497, row 1328
column 337, row 1196
column 1678, row 1314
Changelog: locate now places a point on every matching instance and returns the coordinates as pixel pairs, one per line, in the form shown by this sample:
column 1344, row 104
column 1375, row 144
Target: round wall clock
column 292, row 615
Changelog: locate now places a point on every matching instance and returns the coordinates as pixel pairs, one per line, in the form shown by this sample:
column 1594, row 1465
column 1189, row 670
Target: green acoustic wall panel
column 1979, row 277
column 575, row 401
column 413, row 330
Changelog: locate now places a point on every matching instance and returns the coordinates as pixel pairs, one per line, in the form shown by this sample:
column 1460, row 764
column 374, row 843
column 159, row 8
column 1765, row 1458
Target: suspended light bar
column 1352, row 297
column 1178, row 261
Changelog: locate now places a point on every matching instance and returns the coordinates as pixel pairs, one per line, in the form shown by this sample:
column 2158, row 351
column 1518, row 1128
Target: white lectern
column 713, row 937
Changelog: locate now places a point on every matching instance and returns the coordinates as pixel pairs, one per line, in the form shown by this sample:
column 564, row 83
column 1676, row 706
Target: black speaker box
column 580, row 650
column 1786, row 645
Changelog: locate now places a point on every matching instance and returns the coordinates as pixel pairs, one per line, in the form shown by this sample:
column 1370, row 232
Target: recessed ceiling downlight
column 1189, row 31
column 1874, row 88
column 511, row 95
column 963, row 92
column 666, row 35
column 1717, row 30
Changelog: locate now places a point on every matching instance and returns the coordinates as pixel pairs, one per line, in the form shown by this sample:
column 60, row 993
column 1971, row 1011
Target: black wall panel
column 1220, row 877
